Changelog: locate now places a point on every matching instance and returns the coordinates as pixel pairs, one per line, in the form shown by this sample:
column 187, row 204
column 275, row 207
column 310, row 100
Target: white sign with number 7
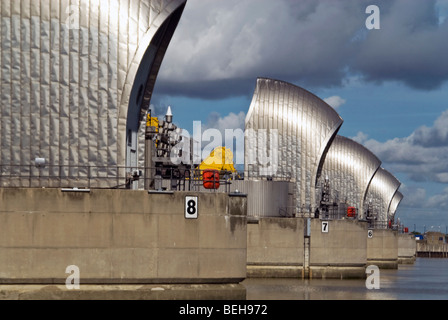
column 325, row 226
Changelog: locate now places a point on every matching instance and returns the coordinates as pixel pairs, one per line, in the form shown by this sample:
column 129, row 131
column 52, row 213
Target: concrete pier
column 407, row 249
column 129, row 246
column 276, row 248
column 121, row 237
column 125, row 292
column 382, row 249
column 338, row 249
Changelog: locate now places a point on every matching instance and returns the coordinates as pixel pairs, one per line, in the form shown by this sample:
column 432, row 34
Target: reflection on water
column 426, row 279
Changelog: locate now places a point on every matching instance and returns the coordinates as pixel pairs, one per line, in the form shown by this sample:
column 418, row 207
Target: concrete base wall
column 407, row 249
column 120, row 237
column 276, row 248
column 125, row 292
column 341, row 251
column 382, row 249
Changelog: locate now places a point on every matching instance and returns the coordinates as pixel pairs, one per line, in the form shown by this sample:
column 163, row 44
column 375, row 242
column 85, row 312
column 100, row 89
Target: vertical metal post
column 149, row 152
column 306, row 248
column 30, row 178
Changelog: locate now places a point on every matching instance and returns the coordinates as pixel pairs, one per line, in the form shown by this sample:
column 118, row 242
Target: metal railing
column 375, row 224
column 108, row 177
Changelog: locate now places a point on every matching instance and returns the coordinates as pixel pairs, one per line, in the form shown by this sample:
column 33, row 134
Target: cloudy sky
column 390, row 85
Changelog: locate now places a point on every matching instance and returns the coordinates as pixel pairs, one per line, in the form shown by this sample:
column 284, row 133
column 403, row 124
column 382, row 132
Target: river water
column 426, row 279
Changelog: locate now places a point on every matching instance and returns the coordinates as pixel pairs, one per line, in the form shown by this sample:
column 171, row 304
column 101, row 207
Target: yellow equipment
column 152, row 121
column 220, row 159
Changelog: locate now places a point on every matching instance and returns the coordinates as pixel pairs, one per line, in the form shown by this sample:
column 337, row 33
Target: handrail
column 104, row 177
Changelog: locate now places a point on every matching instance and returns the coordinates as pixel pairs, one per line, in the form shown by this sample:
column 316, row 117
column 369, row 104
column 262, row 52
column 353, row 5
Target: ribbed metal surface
column 305, row 125
column 266, row 198
column 396, row 200
column 73, row 85
column 381, row 192
column 350, row 168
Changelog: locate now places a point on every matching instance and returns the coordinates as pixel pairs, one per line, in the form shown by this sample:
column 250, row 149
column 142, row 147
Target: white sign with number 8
column 191, row 207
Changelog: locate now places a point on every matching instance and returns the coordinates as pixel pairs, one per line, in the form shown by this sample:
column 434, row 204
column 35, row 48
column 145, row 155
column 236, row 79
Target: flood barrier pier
column 124, row 243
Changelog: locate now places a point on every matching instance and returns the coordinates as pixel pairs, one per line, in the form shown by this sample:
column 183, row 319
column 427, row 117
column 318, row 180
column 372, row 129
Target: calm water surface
column 426, row 279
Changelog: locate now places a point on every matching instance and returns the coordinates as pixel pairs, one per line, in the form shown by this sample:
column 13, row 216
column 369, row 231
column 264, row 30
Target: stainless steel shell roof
column 350, row 168
column 305, row 126
column 396, row 200
column 75, row 76
column 381, row 192
column 265, row 198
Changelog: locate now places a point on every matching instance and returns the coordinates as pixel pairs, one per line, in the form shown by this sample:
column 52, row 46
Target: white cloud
column 422, row 157
column 434, row 136
column 230, row 121
column 335, row 101
column 442, row 10
column 231, row 128
column 360, row 137
column 439, row 200
column 414, row 197
column 419, row 163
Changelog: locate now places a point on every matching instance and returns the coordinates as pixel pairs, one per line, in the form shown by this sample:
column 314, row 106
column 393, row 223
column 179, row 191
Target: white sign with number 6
column 191, row 207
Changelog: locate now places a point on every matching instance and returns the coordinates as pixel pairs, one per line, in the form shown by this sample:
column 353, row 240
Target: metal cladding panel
column 67, row 71
column 265, row 198
column 396, row 200
column 381, row 192
column 292, row 128
column 350, row 168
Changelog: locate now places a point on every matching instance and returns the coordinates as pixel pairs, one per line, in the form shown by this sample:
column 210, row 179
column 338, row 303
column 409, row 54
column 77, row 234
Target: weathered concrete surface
column 276, row 249
column 120, row 237
column 341, row 252
column 407, row 249
column 125, row 292
column 382, row 249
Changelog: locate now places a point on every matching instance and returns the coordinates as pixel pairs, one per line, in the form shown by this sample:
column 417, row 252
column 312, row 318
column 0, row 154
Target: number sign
column 191, row 207
column 325, row 225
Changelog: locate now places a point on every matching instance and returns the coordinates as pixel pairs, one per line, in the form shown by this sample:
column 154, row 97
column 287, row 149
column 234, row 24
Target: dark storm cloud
column 221, row 47
column 410, row 47
column 209, row 89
